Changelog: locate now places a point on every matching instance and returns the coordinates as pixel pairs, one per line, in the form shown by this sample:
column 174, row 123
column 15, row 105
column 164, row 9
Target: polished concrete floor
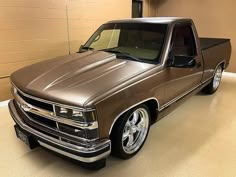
column 197, row 139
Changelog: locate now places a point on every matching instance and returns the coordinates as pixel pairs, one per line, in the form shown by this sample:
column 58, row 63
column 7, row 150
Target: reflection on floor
column 197, row 139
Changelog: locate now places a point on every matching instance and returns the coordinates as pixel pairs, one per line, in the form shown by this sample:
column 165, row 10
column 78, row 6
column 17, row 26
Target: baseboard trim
column 229, row 74
column 4, row 103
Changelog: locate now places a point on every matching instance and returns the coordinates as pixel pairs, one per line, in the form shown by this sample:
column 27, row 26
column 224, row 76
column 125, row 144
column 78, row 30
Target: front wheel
column 215, row 83
column 130, row 132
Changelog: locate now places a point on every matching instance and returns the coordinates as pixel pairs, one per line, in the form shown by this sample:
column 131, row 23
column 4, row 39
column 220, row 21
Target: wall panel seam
column 4, row 77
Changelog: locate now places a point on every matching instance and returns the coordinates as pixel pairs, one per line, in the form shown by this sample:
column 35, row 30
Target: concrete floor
column 197, row 139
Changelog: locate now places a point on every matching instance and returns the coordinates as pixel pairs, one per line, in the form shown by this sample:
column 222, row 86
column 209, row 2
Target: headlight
column 75, row 114
column 63, row 111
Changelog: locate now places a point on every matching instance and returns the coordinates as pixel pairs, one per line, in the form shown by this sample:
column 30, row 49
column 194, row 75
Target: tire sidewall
column 118, row 133
column 209, row 89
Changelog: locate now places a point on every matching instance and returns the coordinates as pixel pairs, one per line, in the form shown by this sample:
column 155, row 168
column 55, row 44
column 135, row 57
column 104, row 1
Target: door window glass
column 183, row 41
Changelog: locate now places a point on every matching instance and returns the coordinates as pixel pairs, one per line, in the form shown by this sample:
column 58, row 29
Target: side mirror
column 183, row 62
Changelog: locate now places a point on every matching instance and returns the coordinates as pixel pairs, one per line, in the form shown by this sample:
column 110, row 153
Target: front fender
column 111, row 109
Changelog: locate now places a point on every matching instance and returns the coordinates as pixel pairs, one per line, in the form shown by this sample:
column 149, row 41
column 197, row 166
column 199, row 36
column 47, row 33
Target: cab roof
column 161, row 20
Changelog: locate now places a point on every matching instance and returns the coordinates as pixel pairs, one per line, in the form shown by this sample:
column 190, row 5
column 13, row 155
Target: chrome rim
column 135, row 130
column 217, row 78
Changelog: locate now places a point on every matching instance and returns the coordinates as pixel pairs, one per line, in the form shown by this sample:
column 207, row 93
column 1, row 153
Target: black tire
column 212, row 87
column 123, row 125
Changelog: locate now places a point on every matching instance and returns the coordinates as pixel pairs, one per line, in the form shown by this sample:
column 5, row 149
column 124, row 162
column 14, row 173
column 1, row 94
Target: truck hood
column 78, row 78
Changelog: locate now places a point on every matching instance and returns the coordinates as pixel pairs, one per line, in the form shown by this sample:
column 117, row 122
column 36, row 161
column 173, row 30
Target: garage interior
column 196, row 142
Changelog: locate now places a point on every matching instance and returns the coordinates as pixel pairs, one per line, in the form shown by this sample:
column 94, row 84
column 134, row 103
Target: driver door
column 181, row 80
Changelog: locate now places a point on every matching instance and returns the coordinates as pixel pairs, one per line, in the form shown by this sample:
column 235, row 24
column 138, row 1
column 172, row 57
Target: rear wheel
column 130, row 132
column 215, row 83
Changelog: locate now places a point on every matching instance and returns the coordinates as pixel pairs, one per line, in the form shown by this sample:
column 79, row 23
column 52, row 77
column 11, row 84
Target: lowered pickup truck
column 103, row 99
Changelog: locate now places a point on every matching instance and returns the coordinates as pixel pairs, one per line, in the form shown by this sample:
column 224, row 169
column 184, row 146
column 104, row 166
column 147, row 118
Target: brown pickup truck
column 103, row 99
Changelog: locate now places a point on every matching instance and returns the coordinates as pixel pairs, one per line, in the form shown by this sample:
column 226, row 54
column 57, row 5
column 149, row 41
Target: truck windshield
column 134, row 41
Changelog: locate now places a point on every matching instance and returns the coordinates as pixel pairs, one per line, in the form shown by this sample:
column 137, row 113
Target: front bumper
column 96, row 152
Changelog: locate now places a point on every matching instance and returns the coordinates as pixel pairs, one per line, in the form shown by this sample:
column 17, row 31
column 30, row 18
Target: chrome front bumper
column 89, row 154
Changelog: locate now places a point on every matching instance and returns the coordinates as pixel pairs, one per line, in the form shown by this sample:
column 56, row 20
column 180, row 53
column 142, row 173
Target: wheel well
column 222, row 65
column 152, row 104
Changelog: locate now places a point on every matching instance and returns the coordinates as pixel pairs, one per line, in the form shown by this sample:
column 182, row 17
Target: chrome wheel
column 135, row 130
column 215, row 82
column 217, row 78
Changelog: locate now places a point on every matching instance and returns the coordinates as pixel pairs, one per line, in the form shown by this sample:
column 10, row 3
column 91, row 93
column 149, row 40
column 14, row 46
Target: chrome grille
column 37, row 103
column 42, row 120
column 42, row 114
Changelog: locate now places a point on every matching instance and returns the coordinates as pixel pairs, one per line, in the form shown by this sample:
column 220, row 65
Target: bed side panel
column 214, row 56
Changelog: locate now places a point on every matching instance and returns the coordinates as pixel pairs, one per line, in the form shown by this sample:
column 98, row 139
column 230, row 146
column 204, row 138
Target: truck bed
column 211, row 42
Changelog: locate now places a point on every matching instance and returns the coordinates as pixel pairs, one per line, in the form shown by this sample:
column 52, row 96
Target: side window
column 183, row 41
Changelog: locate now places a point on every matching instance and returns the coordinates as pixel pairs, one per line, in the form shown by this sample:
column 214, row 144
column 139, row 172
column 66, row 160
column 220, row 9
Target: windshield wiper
column 122, row 53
